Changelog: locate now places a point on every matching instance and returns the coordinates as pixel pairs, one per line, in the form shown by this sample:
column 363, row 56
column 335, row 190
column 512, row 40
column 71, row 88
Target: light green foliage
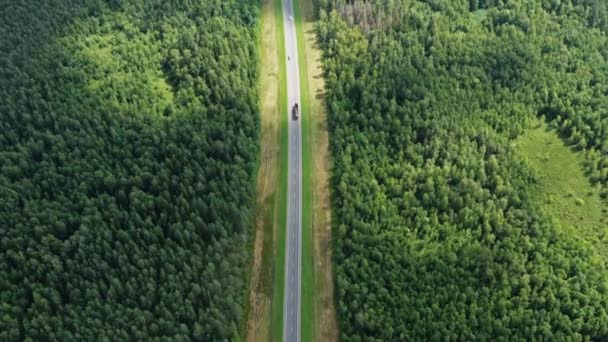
column 141, row 81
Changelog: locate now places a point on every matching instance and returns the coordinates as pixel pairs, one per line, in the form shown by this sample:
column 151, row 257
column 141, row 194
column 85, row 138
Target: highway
column 293, row 251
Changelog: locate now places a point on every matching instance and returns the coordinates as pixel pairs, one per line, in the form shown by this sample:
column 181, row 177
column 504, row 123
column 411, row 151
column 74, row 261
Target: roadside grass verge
column 325, row 326
column 308, row 281
column 265, row 301
column 280, row 228
column 253, row 268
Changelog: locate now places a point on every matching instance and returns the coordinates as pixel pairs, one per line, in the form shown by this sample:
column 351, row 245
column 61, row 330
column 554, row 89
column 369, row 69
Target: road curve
column 293, row 251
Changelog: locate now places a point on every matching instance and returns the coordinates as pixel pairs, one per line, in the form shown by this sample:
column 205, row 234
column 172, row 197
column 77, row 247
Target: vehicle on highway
column 295, row 111
column 290, row 18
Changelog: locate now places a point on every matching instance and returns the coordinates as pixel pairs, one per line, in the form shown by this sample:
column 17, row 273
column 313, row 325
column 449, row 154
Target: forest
column 128, row 151
column 437, row 236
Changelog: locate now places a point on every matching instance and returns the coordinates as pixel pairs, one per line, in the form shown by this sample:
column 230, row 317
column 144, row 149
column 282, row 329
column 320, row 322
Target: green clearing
column 479, row 15
column 563, row 190
column 104, row 56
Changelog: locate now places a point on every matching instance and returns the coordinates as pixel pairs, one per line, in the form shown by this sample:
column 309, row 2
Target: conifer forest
column 128, row 152
column 468, row 177
column 438, row 232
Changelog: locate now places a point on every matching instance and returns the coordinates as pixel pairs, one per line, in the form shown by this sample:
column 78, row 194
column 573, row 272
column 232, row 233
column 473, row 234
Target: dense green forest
column 436, row 234
column 128, row 150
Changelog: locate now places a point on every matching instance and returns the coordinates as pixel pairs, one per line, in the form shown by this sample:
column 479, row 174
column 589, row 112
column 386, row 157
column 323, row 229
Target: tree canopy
column 436, row 235
column 128, row 149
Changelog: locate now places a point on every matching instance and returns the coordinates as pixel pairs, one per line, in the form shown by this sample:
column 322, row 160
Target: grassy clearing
column 307, row 319
column 266, row 286
column 563, row 191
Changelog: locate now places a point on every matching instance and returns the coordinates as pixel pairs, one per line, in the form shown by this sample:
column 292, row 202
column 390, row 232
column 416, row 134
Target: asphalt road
column 293, row 252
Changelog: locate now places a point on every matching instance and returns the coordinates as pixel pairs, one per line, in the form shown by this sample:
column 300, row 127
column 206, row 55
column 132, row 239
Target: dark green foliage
column 128, row 148
column 436, row 236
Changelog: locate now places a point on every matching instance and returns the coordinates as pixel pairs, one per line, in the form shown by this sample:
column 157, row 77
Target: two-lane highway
column 293, row 252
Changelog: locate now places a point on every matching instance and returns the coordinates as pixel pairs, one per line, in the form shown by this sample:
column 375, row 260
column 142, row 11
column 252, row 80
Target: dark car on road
column 295, row 111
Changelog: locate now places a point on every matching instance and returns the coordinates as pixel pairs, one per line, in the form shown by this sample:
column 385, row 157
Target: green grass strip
column 276, row 329
column 307, row 313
